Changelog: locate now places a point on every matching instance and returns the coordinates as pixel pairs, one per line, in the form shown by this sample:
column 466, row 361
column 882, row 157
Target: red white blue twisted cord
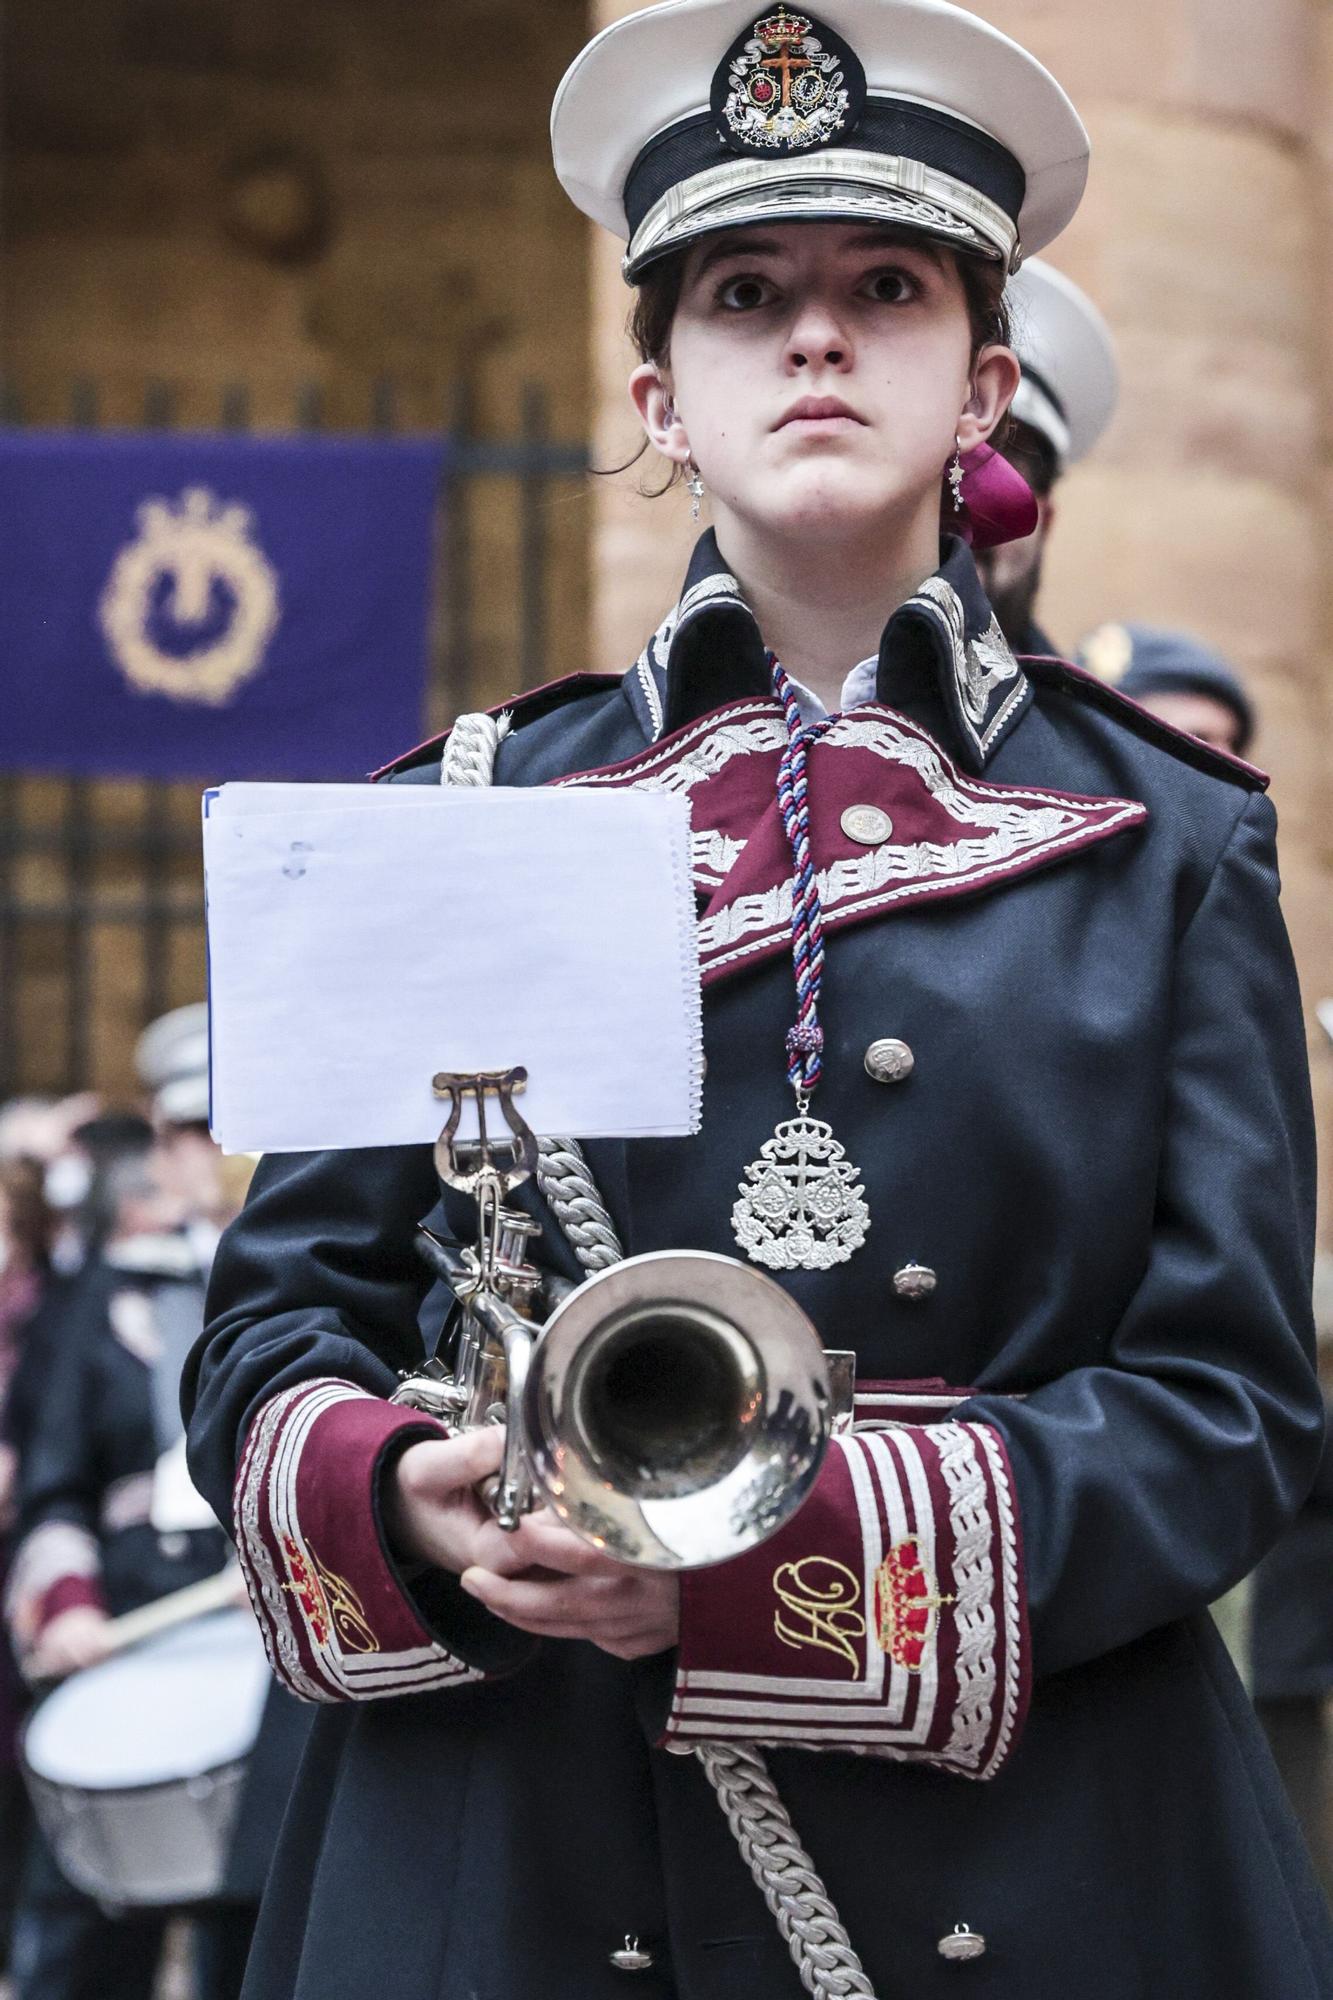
column 805, row 1042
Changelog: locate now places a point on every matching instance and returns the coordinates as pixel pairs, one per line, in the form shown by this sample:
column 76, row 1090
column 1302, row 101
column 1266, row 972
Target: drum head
column 176, row 1706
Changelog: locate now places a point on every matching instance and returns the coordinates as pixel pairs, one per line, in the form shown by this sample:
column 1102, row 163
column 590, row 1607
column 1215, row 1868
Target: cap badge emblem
column 786, row 85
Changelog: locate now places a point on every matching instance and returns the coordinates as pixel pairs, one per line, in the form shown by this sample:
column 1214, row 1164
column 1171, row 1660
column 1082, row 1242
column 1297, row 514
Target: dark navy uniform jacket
column 1291, row 1603
column 1020, row 1718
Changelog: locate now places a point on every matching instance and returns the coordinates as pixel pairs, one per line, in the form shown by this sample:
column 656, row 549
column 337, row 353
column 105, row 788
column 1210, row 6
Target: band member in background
column 1177, row 677
column 88, row 1546
column 108, row 1519
column 25, row 1277
column 97, row 1156
column 1011, row 950
column 172, row 1058
column 1067, row 396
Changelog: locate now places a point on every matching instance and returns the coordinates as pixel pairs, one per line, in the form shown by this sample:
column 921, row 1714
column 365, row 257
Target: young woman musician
column 996, row 960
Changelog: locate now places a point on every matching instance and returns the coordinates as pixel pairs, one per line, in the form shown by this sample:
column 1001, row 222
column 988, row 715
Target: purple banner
column 213, row 607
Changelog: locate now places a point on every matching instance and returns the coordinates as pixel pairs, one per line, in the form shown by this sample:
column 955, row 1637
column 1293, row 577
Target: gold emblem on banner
column 186, row 555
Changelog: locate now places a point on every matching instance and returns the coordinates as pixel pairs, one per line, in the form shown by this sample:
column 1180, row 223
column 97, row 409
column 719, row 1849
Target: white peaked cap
column 1071, row 380
column 171, row 1057
column 912, row 112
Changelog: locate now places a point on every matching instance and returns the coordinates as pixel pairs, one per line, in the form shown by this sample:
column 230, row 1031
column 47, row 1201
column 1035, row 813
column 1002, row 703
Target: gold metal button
column 630, row 1958
column 914, row 1281
column 889, row 1061
column 867, row 825
column 962, row 1944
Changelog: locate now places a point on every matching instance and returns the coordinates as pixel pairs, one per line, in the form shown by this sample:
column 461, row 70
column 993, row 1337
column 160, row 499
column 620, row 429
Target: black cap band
column 887, row 125
column 1039, row 381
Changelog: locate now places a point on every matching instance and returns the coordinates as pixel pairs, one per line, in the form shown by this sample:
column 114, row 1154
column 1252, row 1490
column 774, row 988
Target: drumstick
column 214, row 1593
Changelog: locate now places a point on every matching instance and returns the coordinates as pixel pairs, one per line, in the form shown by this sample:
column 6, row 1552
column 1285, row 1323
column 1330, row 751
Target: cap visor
column 183, row 1101
column 868, row 189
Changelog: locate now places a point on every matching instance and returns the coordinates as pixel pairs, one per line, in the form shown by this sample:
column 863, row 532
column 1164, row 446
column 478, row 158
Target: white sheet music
column 361, row 938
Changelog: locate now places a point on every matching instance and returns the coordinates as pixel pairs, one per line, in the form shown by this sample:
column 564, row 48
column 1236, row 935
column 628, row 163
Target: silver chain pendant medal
column 802, row 1206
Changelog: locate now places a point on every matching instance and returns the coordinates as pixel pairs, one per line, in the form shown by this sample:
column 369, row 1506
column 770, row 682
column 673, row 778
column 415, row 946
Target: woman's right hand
column 432, row 1511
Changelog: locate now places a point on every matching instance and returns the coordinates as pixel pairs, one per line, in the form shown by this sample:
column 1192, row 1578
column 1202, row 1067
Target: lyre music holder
column 494, row 1283
column 483, row 1163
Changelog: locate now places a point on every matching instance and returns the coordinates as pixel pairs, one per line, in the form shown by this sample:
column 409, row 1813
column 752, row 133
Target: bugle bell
column 673, row 1410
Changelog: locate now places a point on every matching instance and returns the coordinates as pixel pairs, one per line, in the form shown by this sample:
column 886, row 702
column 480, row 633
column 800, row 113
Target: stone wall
column 1206, row 239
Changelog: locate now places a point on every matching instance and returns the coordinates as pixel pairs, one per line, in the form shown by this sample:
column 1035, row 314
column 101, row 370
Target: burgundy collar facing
column 933, row 831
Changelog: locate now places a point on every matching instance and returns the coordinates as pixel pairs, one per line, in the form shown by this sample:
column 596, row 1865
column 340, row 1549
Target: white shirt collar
column 858, row 687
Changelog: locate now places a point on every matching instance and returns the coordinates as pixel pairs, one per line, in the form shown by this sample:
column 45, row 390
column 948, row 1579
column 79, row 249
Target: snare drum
column 135, row 1767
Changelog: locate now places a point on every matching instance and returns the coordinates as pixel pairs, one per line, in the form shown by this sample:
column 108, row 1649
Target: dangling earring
column 955, row 475
column 695, row 489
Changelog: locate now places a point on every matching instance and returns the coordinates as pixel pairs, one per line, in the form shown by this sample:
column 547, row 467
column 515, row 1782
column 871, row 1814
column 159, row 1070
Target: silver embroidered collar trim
column 721, row 588
column 656, row 649
column 980, row 666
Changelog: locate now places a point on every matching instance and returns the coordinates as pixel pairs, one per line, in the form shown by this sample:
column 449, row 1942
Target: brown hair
column 657, row 296
column 29, row 1218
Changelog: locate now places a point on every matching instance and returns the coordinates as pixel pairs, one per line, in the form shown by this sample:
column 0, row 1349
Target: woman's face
column 819, row 374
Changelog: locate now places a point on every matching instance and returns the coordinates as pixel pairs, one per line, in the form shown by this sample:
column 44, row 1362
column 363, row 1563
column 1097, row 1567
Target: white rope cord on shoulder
column 783, row 1872
column 470, row 750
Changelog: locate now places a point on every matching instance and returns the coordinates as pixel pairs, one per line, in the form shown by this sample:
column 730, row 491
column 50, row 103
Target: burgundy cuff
column 56, row 1566
column 336, row 1618
column 69, row 1594
column 887, row 1618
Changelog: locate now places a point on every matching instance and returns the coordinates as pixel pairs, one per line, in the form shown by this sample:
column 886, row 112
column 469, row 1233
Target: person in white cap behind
column 983, row 949
column 1065, row 400
column 171, row 1057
